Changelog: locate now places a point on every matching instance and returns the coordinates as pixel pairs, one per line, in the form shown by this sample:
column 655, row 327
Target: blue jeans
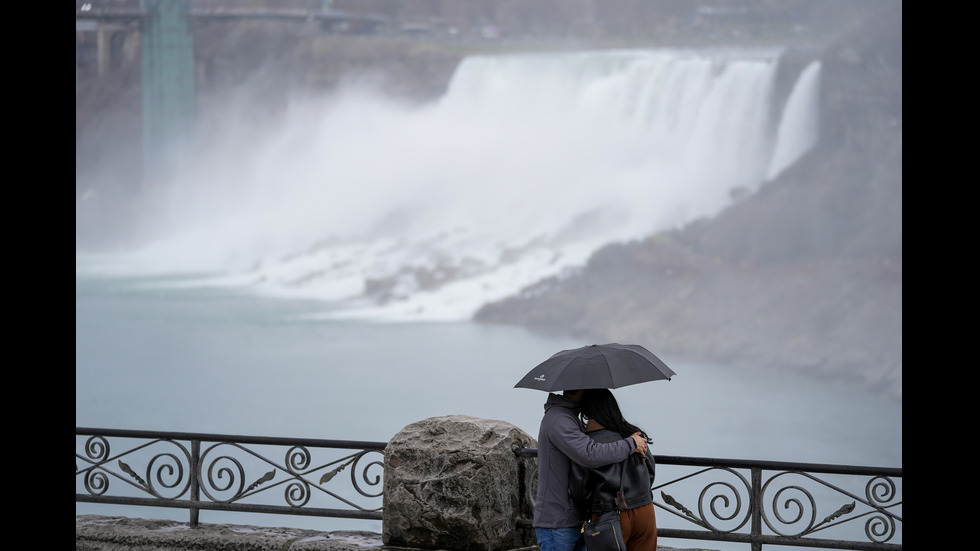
column 560, row 539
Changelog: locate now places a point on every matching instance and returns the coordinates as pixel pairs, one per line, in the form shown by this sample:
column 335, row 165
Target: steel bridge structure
column 167, row 64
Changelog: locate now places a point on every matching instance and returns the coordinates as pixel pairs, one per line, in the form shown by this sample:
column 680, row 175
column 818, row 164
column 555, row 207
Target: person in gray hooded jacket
column 561, row 441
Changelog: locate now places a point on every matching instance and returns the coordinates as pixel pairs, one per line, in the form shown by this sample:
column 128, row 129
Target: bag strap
column 619, row 501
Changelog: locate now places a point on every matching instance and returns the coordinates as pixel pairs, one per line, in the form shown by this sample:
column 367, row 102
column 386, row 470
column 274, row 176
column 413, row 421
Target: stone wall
column 114, row 533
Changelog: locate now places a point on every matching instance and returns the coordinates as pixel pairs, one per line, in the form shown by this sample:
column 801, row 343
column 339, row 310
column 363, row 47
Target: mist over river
column 526, row 166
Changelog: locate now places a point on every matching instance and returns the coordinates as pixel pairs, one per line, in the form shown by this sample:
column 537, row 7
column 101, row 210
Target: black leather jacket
column 594, row 490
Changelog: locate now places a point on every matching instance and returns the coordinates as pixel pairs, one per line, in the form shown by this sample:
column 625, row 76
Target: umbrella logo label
column 539, row 378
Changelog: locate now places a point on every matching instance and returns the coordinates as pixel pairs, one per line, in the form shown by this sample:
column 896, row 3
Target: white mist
column 525, row 167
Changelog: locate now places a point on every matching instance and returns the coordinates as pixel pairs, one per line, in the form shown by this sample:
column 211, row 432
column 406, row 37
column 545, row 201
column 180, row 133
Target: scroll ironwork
column 754, row 502
column 237, row 473
column 776, row 503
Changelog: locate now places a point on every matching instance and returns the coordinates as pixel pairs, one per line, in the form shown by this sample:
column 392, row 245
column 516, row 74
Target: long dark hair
column 601, row 405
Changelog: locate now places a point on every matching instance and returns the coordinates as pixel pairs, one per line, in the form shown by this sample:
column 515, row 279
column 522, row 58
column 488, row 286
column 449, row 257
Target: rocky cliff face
column 806, row 274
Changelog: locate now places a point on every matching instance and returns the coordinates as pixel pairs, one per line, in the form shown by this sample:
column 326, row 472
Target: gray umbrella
column 610, row 365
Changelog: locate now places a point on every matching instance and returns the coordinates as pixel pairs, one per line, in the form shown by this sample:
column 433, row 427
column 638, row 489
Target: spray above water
column 526, row 166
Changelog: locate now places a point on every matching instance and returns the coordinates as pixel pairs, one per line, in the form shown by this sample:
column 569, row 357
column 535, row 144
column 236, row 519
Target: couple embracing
column 590, row 461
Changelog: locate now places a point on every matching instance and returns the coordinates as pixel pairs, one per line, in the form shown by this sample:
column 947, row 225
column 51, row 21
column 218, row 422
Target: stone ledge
column 114, row 533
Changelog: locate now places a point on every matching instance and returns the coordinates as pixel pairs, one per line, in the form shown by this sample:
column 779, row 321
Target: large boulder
column 455, row 482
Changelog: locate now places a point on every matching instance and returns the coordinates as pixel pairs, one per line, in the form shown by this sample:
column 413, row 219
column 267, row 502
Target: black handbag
column 605, row 533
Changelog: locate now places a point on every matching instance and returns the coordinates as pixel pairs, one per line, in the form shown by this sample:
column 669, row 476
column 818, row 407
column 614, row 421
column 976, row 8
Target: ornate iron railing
column 777, row 503
column 194, row 471
column 731, row 500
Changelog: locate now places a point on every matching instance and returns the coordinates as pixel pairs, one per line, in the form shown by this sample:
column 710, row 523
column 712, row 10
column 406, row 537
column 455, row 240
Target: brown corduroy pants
column 639, row 528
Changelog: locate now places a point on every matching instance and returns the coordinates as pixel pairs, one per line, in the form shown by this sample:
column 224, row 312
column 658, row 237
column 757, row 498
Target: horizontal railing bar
column 774, row 540
column 207, row 437
column 707, row 535
column 237, row 507
column 761, row 464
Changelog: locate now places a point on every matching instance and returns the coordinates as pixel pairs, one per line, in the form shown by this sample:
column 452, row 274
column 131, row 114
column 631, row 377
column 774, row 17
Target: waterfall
column 526, row 166
column 799, row 126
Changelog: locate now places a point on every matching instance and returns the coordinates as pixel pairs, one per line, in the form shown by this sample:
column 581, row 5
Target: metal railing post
column 195, row 480
column 756, row 506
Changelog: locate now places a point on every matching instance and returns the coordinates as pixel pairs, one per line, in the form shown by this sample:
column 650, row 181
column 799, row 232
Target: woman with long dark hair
column 625, row 486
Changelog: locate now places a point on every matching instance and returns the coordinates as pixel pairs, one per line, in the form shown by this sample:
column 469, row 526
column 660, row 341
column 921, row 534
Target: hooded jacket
column 595, row 489
column 561, row 441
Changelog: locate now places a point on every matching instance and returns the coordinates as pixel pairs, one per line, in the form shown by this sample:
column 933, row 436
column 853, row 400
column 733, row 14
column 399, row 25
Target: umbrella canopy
column 610, row 365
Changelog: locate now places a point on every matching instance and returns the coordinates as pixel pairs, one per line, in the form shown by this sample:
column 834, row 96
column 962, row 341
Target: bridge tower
column 167, row 53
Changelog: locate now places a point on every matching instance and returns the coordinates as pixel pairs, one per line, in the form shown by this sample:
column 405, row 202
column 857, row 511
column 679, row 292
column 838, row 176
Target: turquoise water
column 167, row 358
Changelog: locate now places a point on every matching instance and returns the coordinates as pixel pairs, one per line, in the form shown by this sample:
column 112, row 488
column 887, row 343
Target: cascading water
column 526, row 166
column 799, row 126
